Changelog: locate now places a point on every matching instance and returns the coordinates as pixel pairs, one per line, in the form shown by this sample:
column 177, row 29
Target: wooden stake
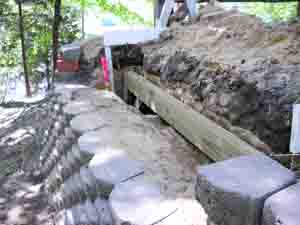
column 110, row 67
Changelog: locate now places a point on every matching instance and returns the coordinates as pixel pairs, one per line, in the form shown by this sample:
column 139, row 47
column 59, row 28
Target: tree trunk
column 55, row 37
column 298, row 9
column 27, row 85
column 82, row 21
column 48, row 72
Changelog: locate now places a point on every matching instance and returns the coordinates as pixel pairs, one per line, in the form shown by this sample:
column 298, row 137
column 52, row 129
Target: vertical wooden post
column 295, row 134
column 158, row 5
column 192, row 6
column 110, row 66
column 27, row 85
column 165, row 14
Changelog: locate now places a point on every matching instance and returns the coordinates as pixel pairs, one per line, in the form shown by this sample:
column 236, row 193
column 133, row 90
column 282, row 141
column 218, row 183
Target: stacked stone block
column 91, row 180
column 248, row 190
column 103, row 186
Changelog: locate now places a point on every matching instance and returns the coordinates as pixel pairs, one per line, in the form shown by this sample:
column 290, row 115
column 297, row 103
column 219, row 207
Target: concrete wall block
column 78, row 107
column 92, row 214
column 113, row 167
column 102, row 207
column 89, row 182
column 283, row 207
column 137, row 202
column 81, row 156
column 87, row 122
column 233, row 191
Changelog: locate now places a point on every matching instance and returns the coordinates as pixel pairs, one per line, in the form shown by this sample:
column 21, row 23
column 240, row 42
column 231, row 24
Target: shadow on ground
column 22, row 202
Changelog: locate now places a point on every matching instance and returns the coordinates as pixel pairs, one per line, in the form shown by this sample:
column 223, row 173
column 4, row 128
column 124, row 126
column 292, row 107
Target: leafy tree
column 282, row 11
column 24, row 56
column 38, row 21
column 118, row 9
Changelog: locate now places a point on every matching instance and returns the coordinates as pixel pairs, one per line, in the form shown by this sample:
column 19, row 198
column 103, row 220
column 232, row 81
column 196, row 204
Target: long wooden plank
column 216, row 142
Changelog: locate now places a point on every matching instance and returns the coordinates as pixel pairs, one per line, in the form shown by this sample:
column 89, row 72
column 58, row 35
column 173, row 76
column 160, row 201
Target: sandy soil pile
column 236, row 70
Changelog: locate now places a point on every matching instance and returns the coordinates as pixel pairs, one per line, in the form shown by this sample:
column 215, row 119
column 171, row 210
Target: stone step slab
column 137, row 202
column 79, row 107
column 108, row 117
column 113, row 167
column 87, row 122
column 115, row 137
column 233, row 191
column 283, row 207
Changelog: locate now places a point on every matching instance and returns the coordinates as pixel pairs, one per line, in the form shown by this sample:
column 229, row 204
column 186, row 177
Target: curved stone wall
column 97, row 167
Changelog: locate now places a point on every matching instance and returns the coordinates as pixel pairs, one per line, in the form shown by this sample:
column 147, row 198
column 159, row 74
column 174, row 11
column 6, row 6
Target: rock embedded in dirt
column 237, row 67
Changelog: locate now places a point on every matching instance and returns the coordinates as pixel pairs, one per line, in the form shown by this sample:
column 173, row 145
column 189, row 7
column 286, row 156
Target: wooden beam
column 165, row 14
column 192, row 6
column 214, row 141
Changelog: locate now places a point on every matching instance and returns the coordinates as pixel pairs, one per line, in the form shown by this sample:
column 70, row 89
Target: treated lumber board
column 214, row 141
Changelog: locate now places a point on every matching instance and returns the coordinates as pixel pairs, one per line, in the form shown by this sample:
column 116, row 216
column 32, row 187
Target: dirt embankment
column 238, row 71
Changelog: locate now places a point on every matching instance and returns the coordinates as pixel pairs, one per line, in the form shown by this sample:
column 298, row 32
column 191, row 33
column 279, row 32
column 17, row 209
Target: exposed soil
column 236, row 70
column 22, row 202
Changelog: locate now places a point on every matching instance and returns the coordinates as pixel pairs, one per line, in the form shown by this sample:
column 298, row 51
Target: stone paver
column 79, row 107
column 139, row 203
column 233, row 191
column 113, row 167
column 283, row 208
column 95, row 120
column 113, row 138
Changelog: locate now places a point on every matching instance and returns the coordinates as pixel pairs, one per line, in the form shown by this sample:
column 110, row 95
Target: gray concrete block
column 136, row 202
column 80, row 158
column 88, row 182
column 108, row 117
column 283, row 208
column 79, row 107
column 103, row 210
column 116, row 137
column 87, row 122
column 233, row 191
column 92, row 213
column 113, row 167
column 83, row 218
column 70, row 215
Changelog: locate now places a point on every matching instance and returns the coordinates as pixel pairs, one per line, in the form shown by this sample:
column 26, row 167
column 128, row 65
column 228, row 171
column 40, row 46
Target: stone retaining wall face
column 77, row 189
column 88, row 184
column 233, row 192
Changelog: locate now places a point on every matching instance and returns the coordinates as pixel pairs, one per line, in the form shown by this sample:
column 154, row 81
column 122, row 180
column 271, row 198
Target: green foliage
column 118, row 9
column 283, row 11
column 9, row 37
column 38, row 21
column 121, row 11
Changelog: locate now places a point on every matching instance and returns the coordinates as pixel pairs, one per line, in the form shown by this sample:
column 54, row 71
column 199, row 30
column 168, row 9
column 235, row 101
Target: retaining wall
column 103, row 163
column 97, row 169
